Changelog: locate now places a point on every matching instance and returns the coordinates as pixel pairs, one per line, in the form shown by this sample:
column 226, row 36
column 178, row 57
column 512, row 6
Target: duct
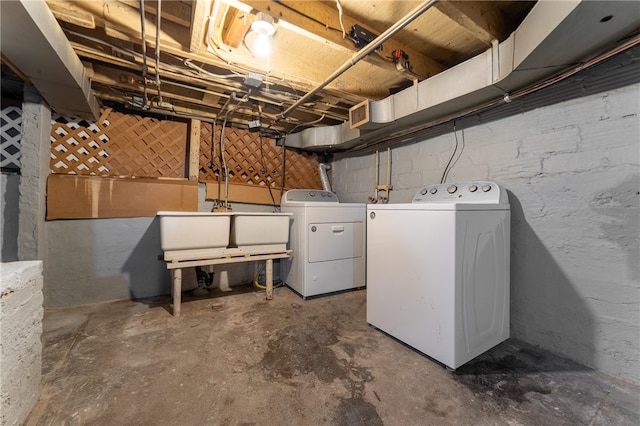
column 553, row 37
column 322, row 169
column 321, row 137
column 30, row 36
column 390, row 32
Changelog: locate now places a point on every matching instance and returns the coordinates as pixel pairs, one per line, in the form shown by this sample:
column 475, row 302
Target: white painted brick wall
column 20, row 344
column 573, row 173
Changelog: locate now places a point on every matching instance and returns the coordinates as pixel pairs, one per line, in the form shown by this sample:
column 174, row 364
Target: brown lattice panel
column 119, row 145
column 252, row 160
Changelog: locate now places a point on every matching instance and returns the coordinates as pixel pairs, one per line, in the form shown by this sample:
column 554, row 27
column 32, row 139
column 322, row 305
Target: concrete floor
column 236, row 359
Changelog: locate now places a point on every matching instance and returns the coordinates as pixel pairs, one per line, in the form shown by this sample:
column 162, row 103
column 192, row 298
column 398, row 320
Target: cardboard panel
column 83, row 197
column 239, row 193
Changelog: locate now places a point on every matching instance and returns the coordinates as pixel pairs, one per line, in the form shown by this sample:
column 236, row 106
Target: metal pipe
column 144, row 53
column 390, row 32
column 158, row 19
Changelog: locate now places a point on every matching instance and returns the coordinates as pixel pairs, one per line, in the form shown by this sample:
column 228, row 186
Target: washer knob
column 452, row 189
column 424, row 191
column 473, row 188
column 486, row 188
column 434, row 190
column 312, row 194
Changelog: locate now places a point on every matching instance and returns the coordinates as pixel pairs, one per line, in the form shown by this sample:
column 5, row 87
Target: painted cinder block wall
column 572, row 171
column 20, row 339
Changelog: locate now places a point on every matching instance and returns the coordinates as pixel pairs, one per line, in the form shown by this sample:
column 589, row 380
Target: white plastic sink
column 193, row 235
column 256, row 231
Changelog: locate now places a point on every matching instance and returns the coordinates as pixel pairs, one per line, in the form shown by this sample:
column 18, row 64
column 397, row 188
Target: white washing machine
column 438, row 270
column 328, row 243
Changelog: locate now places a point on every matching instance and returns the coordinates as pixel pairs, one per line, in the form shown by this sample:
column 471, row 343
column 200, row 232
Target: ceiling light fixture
column 259, row 38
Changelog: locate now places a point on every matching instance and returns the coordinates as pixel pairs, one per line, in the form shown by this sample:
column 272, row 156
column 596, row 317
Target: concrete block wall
column 573, row 175
column 20, row 339
column 9, row 217
column 99, row 260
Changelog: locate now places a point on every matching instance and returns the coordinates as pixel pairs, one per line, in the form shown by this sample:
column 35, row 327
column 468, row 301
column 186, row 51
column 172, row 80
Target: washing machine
column 438, row 270
column 327, row 239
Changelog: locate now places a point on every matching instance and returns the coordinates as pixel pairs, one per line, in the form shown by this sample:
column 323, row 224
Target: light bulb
column 262, row 45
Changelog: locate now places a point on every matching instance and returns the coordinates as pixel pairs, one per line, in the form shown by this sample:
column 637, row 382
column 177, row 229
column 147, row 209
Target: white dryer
column 438, row 270
column 328, row 243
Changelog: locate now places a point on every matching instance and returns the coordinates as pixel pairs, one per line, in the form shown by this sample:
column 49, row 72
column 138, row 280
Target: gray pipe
column 144, row 54
column 158, row 19
column 390, row 32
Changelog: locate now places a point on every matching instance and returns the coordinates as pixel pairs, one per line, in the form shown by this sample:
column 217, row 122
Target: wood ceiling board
column 172, row 10
column 479, row 18
column 199, row 17
column 123, row 22
column 324, row 21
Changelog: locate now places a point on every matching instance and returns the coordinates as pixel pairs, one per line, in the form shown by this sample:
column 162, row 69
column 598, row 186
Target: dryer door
column 335, row 241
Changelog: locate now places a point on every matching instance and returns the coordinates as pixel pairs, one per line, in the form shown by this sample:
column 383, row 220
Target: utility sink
column 256, row 231
column 193, row 235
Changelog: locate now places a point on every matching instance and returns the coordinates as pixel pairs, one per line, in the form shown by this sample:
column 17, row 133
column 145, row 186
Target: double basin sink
column 199, row 235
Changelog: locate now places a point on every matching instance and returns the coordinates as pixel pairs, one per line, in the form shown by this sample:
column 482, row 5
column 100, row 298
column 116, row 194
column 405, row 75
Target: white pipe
column 322, row 168
column 388, row 167
column 375, row 188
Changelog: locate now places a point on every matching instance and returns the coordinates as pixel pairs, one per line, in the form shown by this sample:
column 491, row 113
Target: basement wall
column 573, row 177
column 99, row 260
column 9, row 183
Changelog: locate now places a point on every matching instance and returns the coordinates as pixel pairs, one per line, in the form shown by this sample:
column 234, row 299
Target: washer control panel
column 309, row 195
column 465, row 192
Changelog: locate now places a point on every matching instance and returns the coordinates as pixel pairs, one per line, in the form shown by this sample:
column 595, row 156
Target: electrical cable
column 459, row 153
column 444, row 173
column 339, row 6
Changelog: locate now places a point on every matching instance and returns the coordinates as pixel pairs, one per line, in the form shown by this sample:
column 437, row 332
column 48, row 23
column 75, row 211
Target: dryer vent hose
column 322, row 168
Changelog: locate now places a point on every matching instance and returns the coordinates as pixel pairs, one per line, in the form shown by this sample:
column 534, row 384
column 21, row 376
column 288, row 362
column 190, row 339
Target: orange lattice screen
column 254, row 160
column 119, row 145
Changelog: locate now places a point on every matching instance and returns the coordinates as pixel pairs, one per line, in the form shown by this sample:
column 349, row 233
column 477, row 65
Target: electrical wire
column 339, row 6
column 459, row 153
column 445, row 171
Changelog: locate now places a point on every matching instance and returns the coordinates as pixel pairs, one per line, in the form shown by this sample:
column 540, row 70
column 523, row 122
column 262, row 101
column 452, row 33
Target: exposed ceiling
column 204, row 58
column 197, row 61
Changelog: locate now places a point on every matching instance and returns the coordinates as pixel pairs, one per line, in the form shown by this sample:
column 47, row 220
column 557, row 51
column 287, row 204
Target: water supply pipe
column 144, row 54
column 357, row 57
column 158, row 19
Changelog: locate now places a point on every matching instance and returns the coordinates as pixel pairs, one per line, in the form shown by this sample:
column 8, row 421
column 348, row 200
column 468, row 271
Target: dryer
column 438, row 270
column 327, row 239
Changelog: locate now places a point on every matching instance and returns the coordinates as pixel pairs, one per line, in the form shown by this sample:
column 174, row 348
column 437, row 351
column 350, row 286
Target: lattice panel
column 119, row 145
column 252, row 162
column 10, row 137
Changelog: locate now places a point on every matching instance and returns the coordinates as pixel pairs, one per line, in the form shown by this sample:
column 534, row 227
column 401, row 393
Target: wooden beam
column 236, row 26
column 194, row 149
column 72, row 12
column 481, row 19
column 199, row 15
column 323, row 20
